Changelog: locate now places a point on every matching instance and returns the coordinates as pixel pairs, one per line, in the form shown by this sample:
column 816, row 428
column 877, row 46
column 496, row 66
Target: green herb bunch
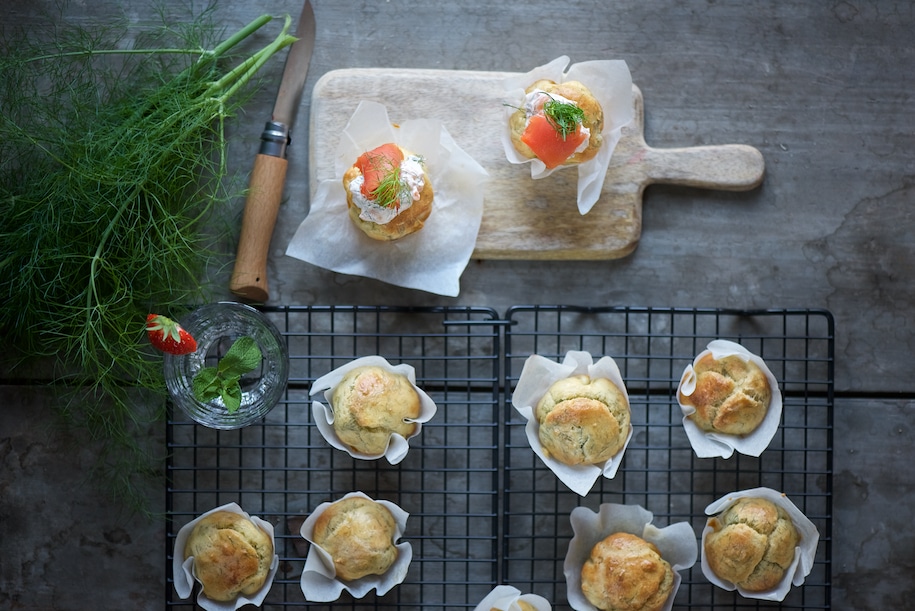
column 224, row 380
column 112, row 165
column 390, row 191
column 563, row 116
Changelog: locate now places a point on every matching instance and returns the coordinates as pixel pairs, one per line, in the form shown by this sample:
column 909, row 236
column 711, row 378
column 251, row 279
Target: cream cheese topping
column 412, row 181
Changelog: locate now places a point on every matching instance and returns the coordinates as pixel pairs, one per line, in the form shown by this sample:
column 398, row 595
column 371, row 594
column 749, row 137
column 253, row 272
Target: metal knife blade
column 296, row 69
column 249, row 278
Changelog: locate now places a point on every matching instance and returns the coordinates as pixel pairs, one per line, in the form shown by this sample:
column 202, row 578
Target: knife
column 249, row 278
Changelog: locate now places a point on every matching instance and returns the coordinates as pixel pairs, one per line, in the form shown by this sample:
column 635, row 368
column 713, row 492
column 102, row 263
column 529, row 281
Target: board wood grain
column 523, row 218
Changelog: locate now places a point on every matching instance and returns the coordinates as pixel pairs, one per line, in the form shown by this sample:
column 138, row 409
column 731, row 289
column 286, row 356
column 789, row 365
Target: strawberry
column 168, row 336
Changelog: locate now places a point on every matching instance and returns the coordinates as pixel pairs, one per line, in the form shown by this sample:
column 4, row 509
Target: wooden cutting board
column 525, row 218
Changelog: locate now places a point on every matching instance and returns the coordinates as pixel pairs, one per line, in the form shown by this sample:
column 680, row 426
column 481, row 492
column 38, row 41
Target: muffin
column 558, row 123
column 388, row 192
column 519, row 604
column 358, row 533
column 232, row 555
column 626, row 573
column 583, row 420
column 370, row 404
column 732, row 395
column 752, row 544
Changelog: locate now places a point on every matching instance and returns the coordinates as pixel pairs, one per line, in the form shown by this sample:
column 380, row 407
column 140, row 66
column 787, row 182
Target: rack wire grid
column 660, row 472
column 282, row 469
column 484, row 510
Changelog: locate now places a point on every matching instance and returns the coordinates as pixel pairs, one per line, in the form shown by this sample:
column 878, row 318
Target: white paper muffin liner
column 610, row 83
column 323, row 413
column 431, row 259
column 183, row 568
column 713, row 444
column 804, row 553
column 537, row 375
column 319, row 582
column 505, row 598
column 676, row 543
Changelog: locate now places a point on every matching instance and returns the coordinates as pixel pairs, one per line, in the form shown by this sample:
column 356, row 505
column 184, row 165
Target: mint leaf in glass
column 224, row 380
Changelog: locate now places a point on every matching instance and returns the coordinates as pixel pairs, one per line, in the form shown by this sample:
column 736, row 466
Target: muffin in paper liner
column 319, row 582
column 611, row 83
column 183, row 568
column 714, row 444
column 804, row 553
column 537, row 375
column 431, row 259
column 676, row 543
column 506, row 598
column 323, row 413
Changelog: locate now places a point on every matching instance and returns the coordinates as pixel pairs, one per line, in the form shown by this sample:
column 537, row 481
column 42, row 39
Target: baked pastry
column 559, row 123
column 232, row 555
column 372, row 403
column 583, row 420
column 358, row 533
column 522, row 605
column 388, row 192
column 751, row 544
column 626, row 573
column 732, row 395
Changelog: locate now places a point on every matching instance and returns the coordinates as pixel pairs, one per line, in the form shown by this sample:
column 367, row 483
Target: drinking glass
column 216, row 326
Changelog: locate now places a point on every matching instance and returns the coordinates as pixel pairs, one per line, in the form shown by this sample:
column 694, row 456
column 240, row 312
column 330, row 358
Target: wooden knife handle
column 249, row 278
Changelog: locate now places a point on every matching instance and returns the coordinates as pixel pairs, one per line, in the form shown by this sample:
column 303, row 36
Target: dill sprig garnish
column 563, row 116
column 112, row 165
column 390, row 190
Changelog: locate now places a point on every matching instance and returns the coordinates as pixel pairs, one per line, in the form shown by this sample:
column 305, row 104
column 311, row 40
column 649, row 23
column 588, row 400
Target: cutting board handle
column 726, row 167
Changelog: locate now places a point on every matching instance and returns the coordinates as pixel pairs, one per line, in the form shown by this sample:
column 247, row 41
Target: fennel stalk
column 112, row 161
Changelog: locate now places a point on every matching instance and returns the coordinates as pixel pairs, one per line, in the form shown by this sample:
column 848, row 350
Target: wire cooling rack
column 660, row 472
column 484, row 510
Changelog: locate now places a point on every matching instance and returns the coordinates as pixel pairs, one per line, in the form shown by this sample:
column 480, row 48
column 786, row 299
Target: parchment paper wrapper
column 676, row 542
column 712, row 444
column 505, row 598
column 611, row 83
column 537, row 375
column 323, row 413
column 431, row 259
column 183, row 569
column 804, row 553
column 319, row 582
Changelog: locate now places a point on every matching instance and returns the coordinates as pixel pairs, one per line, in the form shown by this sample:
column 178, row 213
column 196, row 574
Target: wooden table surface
column 824, row 90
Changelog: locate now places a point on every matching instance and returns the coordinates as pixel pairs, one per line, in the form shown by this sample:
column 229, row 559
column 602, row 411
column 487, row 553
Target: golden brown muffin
column 626, row 573
column 358, row 533
column 583, row 98
column 732, row 395
column 407, row 221
column 524, row 606
column 752, row 544
column 370, row 404
column 232, row 555
column 583, row 421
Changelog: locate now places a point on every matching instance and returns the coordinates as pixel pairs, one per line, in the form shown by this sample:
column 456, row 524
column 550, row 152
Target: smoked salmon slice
column 376, row 164
column 547, row 143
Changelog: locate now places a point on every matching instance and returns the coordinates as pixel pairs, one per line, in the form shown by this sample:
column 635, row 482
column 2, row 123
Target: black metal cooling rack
column 483, row 509
column 660, row 472
column 284, row 468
